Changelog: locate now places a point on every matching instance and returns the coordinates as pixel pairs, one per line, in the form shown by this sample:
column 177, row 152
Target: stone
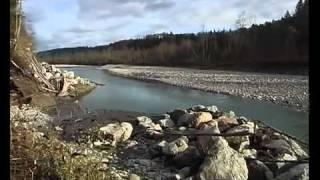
column 258, row 170
column 166, row 123
column 280, row 146
column 226, row 123
column 57, row 75
column 185, row 119
column 182, row 128
column 176, row 146
column 134, row 177
column 48, row 75
column 212, row 109
column 283, row 157
column 203, row 141
column 188, row 157
column 223, row 162
column 58, row 128
column 53, row 68
column 200, row 117
column 299, row 172
column 184, row 172
column 117, row 132
column 240, row 142
column 249, row 153
column 176, row 114
column 198, row 108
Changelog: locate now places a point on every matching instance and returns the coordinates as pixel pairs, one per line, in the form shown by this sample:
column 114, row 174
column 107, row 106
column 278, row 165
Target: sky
column 74, row 23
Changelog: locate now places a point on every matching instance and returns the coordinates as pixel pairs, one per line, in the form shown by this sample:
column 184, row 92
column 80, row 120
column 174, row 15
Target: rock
column 53, row 68
column 212, row 109
column 57, row 75
column 176, row 146
column 117, row 132
column 282, row 157
column 152, row 130
column 101, row 145
column 258, row 170
column 188, row 157
column 176, row 114
column 58, row 128
column 184, row 172
column 222, row 162
column 204, row 141
column 182, row 128
column 231, row 114
column 156, row 149
column 249, row 153
column 298, row 151
column 134, row 177
column 226, row 122
column 145, row 121
column 48, row 75
column 166, row 123
column 185, row 119
column 280, row 146
column 240, row 142
column 300, row 172
column 242, row 120
column 198, row 108
column 200, row 117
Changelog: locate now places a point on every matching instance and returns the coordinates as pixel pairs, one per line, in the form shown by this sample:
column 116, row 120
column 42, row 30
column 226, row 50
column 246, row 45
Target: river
column 124, row 94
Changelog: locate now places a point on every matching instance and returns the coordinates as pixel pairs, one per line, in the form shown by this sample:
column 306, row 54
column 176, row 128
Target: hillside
column 274, row 45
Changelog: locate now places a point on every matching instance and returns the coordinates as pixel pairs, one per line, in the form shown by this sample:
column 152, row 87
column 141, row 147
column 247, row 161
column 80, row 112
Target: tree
column 287, row 15
column 244, row 20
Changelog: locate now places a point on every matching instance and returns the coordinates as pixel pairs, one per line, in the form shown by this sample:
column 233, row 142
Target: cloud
column 66, row 23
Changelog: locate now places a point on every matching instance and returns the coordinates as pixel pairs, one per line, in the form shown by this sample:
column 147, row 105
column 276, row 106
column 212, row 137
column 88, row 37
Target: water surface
column 133, row 95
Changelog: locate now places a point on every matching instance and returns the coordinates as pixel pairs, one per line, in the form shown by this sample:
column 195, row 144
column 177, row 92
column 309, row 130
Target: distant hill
column 283, row 42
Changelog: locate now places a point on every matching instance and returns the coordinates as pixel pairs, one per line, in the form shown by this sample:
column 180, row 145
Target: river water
column 124, row 94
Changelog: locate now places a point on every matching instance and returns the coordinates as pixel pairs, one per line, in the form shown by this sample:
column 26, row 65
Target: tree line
column 280, row 42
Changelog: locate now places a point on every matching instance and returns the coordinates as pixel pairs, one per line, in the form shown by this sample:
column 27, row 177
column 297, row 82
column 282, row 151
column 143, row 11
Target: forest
column 282, row 42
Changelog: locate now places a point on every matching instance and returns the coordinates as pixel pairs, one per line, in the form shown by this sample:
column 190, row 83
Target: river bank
column 287, row 90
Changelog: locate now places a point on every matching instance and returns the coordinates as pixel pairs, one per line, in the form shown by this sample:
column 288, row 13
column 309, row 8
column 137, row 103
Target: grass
column 34, row 155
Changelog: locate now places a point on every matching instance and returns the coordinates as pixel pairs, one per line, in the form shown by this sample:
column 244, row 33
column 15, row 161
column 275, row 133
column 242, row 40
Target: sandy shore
column 287, row 90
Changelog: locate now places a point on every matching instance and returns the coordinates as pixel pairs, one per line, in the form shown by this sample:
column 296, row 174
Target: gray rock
column 299, row 172
column 240, row 142
column 185, row 119
column 176, row 114
column 204, row 141
column 184, row 172
column 182, row 128
column 176, row 146
column 198, row 108
column 166, row 123
column 222, row 162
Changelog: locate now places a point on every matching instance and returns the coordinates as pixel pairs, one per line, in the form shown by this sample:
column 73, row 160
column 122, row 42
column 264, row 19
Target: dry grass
column 34, row 155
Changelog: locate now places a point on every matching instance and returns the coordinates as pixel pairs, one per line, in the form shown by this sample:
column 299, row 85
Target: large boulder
column 116, row 132
column 176, row 146
column 222, row 162
column 198, row 108
column 299, row 172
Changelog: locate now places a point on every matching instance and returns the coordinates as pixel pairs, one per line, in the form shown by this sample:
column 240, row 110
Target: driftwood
column 64, row 90
column 206, row 134
column 285, row 161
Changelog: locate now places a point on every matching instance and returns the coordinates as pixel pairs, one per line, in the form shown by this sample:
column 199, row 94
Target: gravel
column 287, row 90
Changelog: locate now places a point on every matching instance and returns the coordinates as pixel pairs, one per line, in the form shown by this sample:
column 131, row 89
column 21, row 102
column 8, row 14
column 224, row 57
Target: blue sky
column 73, row 23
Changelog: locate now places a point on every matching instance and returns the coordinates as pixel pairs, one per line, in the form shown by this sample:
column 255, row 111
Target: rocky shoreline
column 288, row 90
column 195, row 143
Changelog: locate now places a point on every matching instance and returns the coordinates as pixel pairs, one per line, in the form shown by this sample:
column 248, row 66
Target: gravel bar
column 288, row 90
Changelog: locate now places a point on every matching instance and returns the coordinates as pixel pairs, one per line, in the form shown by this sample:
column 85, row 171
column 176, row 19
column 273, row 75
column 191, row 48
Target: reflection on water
column 132, row 95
